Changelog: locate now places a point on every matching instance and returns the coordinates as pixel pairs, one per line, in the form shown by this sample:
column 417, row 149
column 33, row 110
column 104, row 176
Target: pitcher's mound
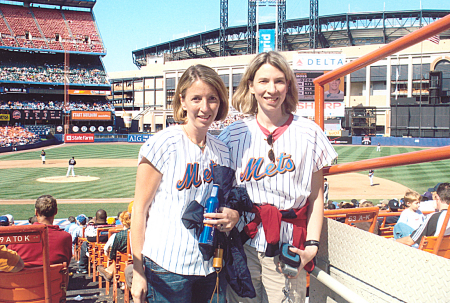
column 64, row 179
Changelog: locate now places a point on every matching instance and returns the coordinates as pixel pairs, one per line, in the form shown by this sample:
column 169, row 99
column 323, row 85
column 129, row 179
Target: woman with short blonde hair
column 175, row 168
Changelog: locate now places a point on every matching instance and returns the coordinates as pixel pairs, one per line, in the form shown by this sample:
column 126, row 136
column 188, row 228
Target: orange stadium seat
column 439, row 245
column 47, row 283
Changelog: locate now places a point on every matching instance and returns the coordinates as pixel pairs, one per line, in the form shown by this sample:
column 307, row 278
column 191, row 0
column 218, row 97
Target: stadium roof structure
column 68, row 3
column 341, row 30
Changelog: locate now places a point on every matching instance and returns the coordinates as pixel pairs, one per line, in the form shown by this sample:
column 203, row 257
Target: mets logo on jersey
column 191, row 176
column 253, row 168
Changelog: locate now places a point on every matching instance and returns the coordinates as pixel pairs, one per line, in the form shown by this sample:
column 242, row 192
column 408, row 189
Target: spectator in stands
column 119, row 243
column 10, row 219
column 393, row 206
column 410, row 218
column 330, row 205
column 10, row 261
column 60, row 242
column 433, row 222
column 72, row 224
column 33, row 219
column 91, row 235
column 77, row 231
column 427, row 202
column 4, row 221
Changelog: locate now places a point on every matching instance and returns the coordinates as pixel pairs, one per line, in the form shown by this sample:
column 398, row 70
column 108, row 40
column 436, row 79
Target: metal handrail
column 336, row 286
column 428, row 155
column 417, row 36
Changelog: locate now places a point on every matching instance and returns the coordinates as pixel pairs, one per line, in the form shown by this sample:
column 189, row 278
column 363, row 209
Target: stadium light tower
column 251, row 27
column 223, row 26
column 252, row 24
column 313, row 23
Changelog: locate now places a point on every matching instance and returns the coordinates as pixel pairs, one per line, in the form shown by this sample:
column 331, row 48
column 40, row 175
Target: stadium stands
column 43, row 28
column 31, row 68
column 16, row 135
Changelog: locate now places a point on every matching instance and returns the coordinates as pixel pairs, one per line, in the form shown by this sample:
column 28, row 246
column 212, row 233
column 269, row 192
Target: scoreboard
column 36, row 114
column 305, row 84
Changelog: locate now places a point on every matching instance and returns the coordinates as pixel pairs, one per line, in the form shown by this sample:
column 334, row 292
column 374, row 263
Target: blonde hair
column 245, row 102
column 411, row 196
column 125, row 218
column 130, row 207
column 207, row 75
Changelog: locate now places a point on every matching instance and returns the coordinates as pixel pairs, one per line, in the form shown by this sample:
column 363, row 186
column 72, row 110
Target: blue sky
column 127, row 25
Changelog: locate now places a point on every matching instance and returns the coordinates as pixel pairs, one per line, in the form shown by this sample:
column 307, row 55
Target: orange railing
column 415, row 37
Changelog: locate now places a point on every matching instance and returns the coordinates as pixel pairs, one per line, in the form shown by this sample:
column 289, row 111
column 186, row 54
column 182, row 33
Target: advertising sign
column 78, row 138
column 332, row 109
column 266, row 40
column 138, row 138
column 89, row 92
column 90, row 115
column 318, row 61
column 15, row 90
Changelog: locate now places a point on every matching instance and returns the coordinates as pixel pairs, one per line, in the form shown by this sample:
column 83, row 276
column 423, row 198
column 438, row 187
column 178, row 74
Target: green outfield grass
column 119, row 182
column 418, row 177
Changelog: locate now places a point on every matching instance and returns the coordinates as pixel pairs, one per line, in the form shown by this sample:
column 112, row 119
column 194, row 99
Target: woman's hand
column 139, row 287
column 305, row 256
column 224, row 220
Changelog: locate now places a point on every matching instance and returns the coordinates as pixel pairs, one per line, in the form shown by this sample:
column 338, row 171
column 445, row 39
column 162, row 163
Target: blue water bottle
column 212, row 204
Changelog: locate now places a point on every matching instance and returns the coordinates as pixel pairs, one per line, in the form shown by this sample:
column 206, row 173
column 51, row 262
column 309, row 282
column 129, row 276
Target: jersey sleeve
column 324, row 151
column 158, row 149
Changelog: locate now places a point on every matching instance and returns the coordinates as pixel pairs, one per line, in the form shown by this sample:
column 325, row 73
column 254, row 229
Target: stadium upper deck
column 341, row 30
column 24, row 26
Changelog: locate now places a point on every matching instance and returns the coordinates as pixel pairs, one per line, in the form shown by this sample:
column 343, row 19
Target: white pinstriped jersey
column 186, row 176
column 303, row 149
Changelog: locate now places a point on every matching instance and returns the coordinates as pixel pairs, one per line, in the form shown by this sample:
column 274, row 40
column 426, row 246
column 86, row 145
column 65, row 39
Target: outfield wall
column 396, row 141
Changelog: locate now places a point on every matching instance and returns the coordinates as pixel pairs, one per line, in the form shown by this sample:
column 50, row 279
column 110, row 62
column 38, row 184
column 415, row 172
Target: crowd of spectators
column 58, row 105
column 52, row 73
column 232, row 116
column 97, row 106
column 52, row 105
column 15, row 136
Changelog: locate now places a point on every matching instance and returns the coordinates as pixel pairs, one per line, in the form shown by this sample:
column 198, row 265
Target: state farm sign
column 78, row 138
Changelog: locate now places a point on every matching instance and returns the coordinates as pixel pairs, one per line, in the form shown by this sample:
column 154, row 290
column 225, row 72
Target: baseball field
column 105, row 178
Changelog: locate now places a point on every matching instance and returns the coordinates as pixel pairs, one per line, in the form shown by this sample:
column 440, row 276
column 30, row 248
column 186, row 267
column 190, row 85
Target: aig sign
column 138, row 138
column 266, row 40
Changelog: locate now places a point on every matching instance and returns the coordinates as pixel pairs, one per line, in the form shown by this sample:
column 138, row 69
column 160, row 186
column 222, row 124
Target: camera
column 289, row 260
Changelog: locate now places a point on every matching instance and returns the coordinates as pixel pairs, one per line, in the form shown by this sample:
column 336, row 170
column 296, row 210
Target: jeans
column 165, row 286
column 83, row 265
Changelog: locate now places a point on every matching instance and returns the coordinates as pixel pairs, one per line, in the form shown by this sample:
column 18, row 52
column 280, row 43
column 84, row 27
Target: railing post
column 319, row 95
